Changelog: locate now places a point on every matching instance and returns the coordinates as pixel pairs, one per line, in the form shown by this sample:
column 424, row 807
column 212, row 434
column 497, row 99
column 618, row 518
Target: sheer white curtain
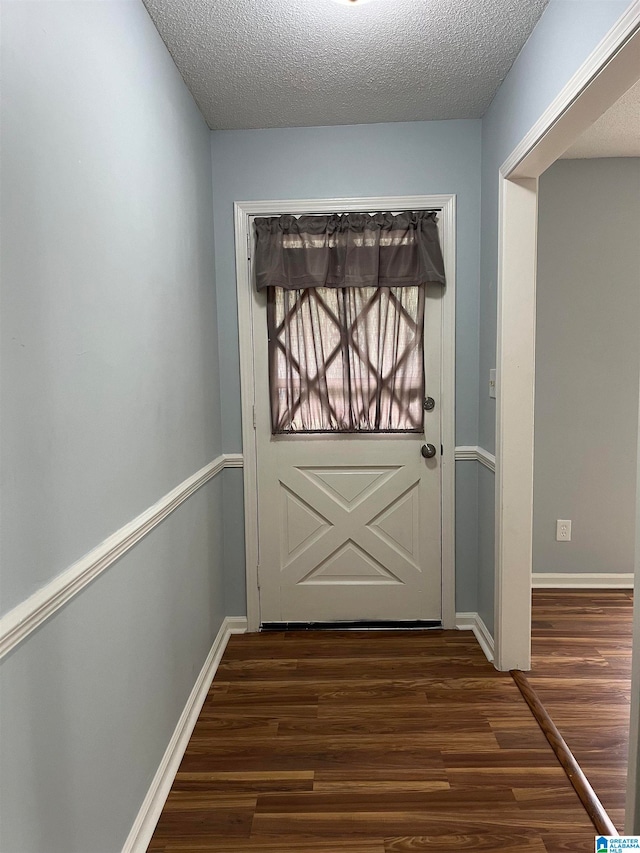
column 347, row 359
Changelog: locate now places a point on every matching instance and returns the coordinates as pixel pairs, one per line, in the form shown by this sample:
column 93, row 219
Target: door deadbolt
column 429, row 404
column 428, row 451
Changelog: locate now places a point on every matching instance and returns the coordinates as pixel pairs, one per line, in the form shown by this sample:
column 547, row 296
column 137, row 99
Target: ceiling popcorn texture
column 615, row 134
column 291, row 63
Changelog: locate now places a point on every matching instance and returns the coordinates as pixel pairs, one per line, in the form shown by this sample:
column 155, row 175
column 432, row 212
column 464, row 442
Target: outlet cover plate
column 563, row 530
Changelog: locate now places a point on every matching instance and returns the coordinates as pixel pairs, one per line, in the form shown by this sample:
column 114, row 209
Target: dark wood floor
column 371, row 742
column 581, row 670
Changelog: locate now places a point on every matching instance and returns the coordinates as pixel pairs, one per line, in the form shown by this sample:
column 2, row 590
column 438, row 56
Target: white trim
column 18, row 623
column 447, row 408
column 474, row 622
column 298, row 206
column 609, row 70
column 243, row 212
column 516, row 337
column 476, row 454
column 546, row 135
column 151, row 809
column 467, row 453
column 233, row 460
column 582, row 580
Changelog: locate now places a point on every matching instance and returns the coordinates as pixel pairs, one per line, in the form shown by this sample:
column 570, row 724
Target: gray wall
column 486, row 545
column 467, row 532
column 364, row 160
column 235, row 586
column 564, row 37
column 89, row 701
column 110, row 398
column 587, row 365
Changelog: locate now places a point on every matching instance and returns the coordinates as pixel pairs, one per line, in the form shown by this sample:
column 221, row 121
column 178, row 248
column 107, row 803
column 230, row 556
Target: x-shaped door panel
column 350, row 525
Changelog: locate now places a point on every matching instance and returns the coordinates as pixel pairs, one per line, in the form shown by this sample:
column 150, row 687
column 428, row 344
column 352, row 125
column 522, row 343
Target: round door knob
column 428, row 451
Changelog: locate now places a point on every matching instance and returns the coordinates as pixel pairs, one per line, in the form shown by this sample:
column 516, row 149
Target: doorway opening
column 609, row 72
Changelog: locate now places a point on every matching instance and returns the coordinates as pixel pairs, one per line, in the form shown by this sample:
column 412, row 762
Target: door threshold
column 355, row 625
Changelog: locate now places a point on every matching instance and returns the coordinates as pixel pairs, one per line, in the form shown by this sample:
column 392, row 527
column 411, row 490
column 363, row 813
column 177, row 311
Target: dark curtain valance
column 348, row 250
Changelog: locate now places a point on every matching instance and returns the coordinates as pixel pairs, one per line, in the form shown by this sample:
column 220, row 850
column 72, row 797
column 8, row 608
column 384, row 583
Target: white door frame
column 610, row 70
column 244, row 212
column 607, row 73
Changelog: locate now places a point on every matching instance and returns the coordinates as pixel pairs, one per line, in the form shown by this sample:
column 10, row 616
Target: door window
column 346, row 359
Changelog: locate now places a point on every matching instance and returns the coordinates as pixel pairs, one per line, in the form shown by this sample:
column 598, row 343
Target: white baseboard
column 582, row 580
column 473, row 622
column 151, row 808
column 17, row 624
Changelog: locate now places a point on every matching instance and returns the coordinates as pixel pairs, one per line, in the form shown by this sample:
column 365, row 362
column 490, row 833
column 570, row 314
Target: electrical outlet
column 563, row 530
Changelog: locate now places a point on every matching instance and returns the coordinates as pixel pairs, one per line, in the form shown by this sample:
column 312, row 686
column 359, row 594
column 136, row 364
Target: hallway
column 129, row 485
column 367, row 743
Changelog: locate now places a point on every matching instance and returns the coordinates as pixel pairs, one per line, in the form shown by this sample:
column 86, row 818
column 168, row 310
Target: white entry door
column 349, row 526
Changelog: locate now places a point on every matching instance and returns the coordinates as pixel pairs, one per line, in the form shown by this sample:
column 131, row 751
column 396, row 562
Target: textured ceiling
column 288, row 63
column 615, row 134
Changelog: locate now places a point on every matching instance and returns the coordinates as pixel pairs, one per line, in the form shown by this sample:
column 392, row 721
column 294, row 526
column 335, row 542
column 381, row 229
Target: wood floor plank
column 587, row 694
column 370, row 742
column 419, row 722
column 473, row 843
column 379, row 802
column 380, row 823
column 247, row 782
column 378, row 780
column 283, row 844
column 506, row 777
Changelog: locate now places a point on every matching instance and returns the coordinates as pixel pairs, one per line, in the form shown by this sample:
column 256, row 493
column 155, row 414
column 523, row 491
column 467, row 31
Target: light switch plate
column 492, row 383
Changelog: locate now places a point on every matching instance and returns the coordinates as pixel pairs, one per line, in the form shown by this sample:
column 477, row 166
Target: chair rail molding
column 18, row 623
column 476, row 454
